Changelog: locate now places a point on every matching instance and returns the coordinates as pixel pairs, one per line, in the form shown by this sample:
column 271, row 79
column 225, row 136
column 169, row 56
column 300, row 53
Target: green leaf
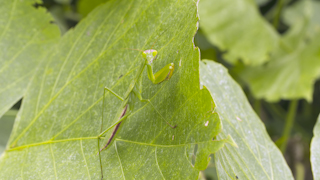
column 257, row 156
column 304, row 11
column 25, row 35
column 294, row 66
column 243, row 34
column 84, row 7
column 315, row 153
column 55, row 135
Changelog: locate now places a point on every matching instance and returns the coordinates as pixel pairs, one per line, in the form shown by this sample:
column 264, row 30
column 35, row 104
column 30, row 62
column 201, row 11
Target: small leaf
column 257, row 156
column 243, row 34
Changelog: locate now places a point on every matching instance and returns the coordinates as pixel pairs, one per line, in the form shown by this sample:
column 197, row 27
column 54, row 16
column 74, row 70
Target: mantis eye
column 154, row 53
column 144, row 55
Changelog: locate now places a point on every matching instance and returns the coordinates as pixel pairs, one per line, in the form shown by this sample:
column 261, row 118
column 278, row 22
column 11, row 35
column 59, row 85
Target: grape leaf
column 55, row 135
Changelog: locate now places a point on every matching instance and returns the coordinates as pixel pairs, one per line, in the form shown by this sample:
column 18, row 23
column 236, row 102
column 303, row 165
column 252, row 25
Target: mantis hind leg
column 104, row 94
column 112, row 92
column 100, row 158
column 119, row 97
column 123, row 116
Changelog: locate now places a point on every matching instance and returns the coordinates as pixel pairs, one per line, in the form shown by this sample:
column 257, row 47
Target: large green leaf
column 25, row 35
column 55, row 136
column 237, row 28
column 257, row 156
column 294, row 66
column 315, row 153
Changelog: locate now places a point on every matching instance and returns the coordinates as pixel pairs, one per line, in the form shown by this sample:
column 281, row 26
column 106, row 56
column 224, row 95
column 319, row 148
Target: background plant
column 271, row 48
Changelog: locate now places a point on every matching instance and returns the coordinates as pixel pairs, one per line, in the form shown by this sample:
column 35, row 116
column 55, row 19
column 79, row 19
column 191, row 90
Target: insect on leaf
column 56, row 133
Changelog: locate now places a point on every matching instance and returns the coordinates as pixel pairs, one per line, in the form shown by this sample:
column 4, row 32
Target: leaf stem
column 277, row 15
column 278, row 114
column 289, row 123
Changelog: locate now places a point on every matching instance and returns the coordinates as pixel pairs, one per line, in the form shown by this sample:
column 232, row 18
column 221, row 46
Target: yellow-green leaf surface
column 237, row 28
column 84, row 7
column 257, row 156
column 315, row 153
column 55, row 134
column 25, row 35
column 295, row 65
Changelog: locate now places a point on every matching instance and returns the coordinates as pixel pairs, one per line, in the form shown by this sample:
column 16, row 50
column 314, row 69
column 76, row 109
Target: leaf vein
column 85, row 161
column 17, row 54
column 10, row 19
column 115, row 145
column 15, row 82
column 54, row 162
column 155, row 154
column 226, row 160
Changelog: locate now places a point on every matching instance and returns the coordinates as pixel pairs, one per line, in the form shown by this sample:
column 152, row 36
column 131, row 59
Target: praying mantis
column 134, row 91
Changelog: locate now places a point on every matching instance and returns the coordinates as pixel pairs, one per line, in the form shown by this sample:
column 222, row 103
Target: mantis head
column 150, row 55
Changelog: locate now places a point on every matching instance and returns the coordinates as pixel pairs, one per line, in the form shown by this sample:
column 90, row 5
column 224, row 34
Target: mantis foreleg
column 163, row 74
